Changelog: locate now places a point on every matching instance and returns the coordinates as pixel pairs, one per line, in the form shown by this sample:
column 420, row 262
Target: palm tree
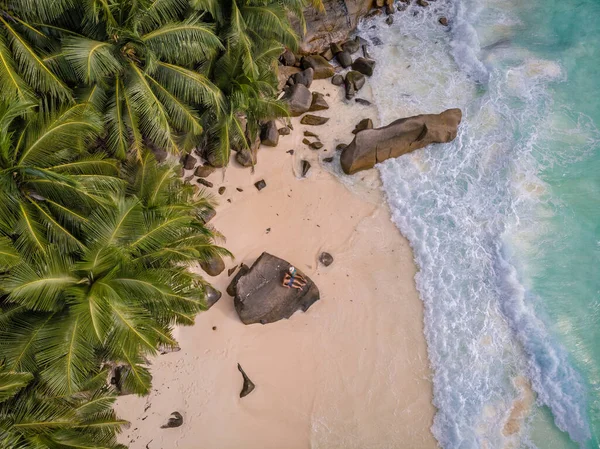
column 24, row 71
column 29, row 419
column 135, row 62
column 113, row 298
column 48, row 181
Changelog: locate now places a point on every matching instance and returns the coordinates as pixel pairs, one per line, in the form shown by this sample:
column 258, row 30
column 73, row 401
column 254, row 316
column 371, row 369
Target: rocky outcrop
column 260, row 297
column 320, row 65
column 298, row 99
column 371, row 146
column 213, row 266
column 335, row 24
column 269, row 135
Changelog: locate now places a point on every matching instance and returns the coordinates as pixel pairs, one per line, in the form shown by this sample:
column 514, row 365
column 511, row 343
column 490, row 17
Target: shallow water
column 505, row 220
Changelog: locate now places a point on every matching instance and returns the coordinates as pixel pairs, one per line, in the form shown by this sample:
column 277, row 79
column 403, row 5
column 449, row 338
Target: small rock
column 340, row 146
column 213, row 266
column 309, row 134
column 212, row 295
column 376, row 41
column 214, row 328
column 290, row 152
column 364, row 66
column 390, row 19
column 315, row 146
column 344, row 58
column 313, row 120
column 363, row 102
column 318, row 102
column 204, row 170
column 327, row 54
column 351, row 46
column 260, row 184
column 335, row 48
column 285, row 131
column 326, row 259
column 327, row 159
column 422, row 3
column 305, row 77
column 443, row 21
column 248, row 386
column 305, row 168
column 208, row 214
column 222, row 190
column 288, row 58
column 269, row 135
column 306, row 141
column 366, row 123
column 204, row 182
column 366, row 51
column 267, row 230
column 164, row 349
column 239, row 189
column 337, row 80
column 389, row 10
column 354, row 82
column 320, row 65
column 231, row 271
column 189, row 162
column 175, row 420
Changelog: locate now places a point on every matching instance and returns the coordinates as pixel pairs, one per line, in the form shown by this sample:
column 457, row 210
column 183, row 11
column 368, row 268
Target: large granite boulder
column 320, row 65
column 334, row 24
column 260, row 297
column 371, row 146
column 298, row 99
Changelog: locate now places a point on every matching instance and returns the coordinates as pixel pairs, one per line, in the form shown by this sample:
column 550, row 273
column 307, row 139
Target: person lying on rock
column 293, row 279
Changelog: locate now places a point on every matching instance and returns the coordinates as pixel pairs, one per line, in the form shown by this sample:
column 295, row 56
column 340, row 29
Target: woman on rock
column 293, row 279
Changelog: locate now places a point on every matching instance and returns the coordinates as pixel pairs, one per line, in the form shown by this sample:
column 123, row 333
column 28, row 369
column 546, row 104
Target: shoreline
column 352, row 371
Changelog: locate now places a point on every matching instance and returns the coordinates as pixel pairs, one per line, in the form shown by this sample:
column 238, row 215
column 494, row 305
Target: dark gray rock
column 202, row 171
column 327, row 54
column 320, row 65
column 443, row 21
column 175, row 420
column 364, row 66
column 390, row 19
column 231, row 288
column 248, row 386
column 366, row 123
column 189, row 162
column 269, row 135
column 214, row 265
column 344, row 59
column 366, row 52
column 315, row 146
column 305, row 168
column 222, row 190
column 207, row 214
column 298, row 99
column 204, row 182
column 212, row 295
column 340, row 146
column 288, row 58
column 285, row 131
column 260, row 184
column 310, row 134
column 335, row 48
column 337, row 80
column 363, row 102
column 399, row 137
column 354, row 82
column 260, row 297
column 326, row 259
column 351, row 46
column 327, row 159
column 313, row 120
column 304, row 77
column 318, row 102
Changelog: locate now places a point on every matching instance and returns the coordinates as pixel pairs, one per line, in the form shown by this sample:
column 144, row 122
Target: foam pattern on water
column 459, row 204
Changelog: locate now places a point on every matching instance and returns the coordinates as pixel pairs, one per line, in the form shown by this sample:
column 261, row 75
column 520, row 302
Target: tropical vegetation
column 96, row 237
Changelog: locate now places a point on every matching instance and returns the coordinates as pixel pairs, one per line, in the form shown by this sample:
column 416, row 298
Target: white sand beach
column 352, row 372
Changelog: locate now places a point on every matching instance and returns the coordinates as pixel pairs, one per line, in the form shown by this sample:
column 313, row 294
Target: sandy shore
column 351, row 372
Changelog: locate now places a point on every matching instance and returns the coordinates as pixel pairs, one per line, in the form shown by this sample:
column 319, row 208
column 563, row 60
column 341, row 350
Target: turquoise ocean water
column 505, row 220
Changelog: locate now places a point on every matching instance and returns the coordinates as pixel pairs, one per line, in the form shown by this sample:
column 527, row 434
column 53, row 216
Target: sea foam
column 461, row 204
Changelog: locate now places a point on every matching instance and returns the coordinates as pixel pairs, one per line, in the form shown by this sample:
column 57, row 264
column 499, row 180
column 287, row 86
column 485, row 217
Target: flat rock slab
column 314, row 120
column 260, row 297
